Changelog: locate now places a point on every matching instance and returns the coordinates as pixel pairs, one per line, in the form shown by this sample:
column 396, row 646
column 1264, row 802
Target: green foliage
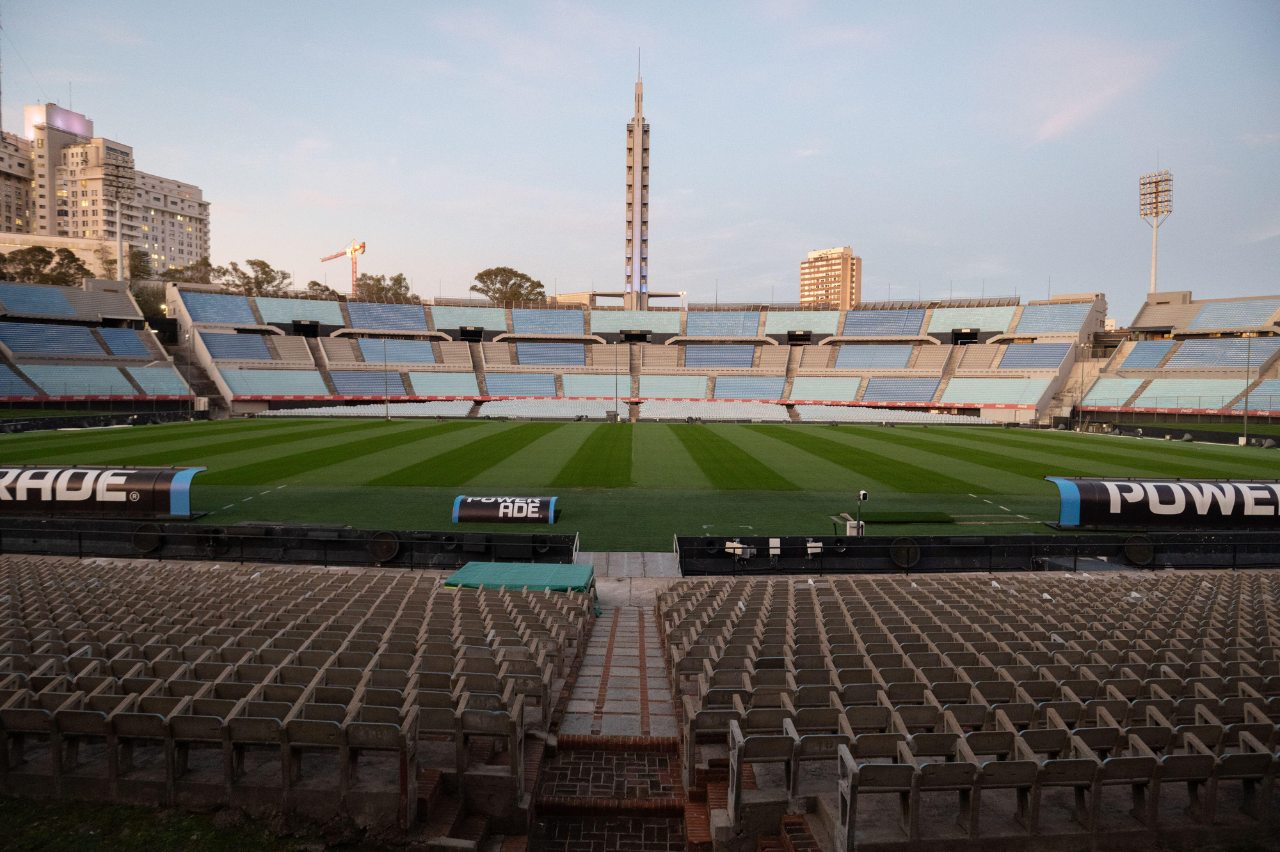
column 503, row 285
column 150, row 299
column 139, row 265
column 316, row 290
column 380, row 288
column 255, row 278
column 38, row 265
column 200, row 272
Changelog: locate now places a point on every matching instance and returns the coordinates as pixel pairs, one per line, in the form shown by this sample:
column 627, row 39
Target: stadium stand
column 1264, row 396
column 451, row 408
column 537, row 321
column 586, row 384
column 615, row 322
column 538, row 353
column 725, row 355
column 1146, row 354
column 835, row 389
column 376, row 350
column 367, row 383
column 11, row 384
column 1223, row 353
column 1112, row 391
column 552, row 409
column 722, row 324
column 1189, row 393
column 904, row 322
column 1034, row 356
column 886, row 356
column 893, row 389
column 658, row 386
column 126, row 342
column 455, row 317
column 820, row 323
column 1054, row 318
column 859, row 414
column 444, row 384
column 996, row 318
column 218, row 308
column 521, row 384
column 268, row 383
column 58, row 380
column 388, row 317
column 50, row 341
column 236, row 347
column 1242, row 314
column 30, row 300
column 995, row 391
column 702, row 409
column 159, row 381
column 92, row 302
column 749, row 387
column 277, row 311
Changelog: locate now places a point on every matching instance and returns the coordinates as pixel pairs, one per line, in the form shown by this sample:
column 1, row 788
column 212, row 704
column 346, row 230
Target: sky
column 962, row 149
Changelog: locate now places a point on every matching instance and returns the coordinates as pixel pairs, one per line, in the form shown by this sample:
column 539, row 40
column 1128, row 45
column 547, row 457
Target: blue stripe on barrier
column 1069, row 492
column 551, row 511
column 457, row 504
column 180, row 491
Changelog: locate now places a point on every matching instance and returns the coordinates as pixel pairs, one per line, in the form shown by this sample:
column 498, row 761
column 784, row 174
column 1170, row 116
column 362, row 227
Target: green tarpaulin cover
column 518, row 575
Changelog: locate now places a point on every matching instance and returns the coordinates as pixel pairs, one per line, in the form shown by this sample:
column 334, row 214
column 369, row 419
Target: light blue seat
column 159, row 381
column 218, row 308
column 722, row 324
column 749, row 387
column 80, row 380
column 592, row 384
column 1034, row 356
column 453, row 318
column 1264, row 397
column 284, row 311
column 275, row 382
column 11, row 384
column 390, row 317
column 538, row 352
column 890, row 389
column 826, row 388
column 1112, row 391
column 126, row 342
column 1146, row 354
column 673, row 387
column 367, row 382
column 375, row 349
column 1249, row 313
column 1189, row 393
column 821, row 323
column 34, row 300
column 444, row 384
column 728, row 355
column 996, row 391
column 887, row 356
column 946, row 320
column 34, row 338
column 615, row 322
column 900, row 322
column 546, row 321
column 236, row 347
column 1060, row 318
column 521, row 384
column 1223, row 353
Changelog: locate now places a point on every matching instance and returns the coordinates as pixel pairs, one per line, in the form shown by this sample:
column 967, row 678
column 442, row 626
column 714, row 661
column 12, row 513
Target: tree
column 106, row 258
column 502, row 285
column 258, row 279
column 150, row 299
column 380, row 288
column 139, row 265
column 38, row 265
column 200, row 272
column 316, row 290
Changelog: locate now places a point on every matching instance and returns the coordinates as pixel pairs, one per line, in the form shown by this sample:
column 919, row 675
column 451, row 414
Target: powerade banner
column 1180, row 503
column 118, row 492
column 516, row 510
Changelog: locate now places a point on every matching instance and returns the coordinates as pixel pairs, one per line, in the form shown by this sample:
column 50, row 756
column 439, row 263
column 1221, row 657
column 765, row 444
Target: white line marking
column 228, row 506
column 279, row 487
column 1024, row 517
column 1005, row 508
column 247, row 499
column 985, row 500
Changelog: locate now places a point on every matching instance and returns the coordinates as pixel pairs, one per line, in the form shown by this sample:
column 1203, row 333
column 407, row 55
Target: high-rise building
column 84, row 187
column 636, row 295
column 831, row 277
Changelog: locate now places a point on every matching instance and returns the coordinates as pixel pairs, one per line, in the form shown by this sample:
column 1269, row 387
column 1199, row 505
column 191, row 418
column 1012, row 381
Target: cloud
column 1051, row 87
column 1263, row 233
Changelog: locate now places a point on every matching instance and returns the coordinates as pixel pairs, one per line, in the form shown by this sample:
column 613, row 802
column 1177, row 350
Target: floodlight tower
column 1155, row 203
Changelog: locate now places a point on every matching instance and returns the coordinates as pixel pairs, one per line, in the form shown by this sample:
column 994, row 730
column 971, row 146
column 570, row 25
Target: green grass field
column 632, row 486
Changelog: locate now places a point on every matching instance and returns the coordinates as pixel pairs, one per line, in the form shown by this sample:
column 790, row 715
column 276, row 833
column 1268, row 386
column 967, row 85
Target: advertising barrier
column 1168, row 503
column 117, row 492
column 500, row 510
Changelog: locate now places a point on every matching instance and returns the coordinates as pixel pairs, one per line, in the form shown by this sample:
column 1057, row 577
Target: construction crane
column 350, row 251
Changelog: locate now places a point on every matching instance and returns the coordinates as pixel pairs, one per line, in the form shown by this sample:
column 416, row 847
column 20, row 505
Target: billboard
column 118, row 492
column 1168, row 503
column 512, row 510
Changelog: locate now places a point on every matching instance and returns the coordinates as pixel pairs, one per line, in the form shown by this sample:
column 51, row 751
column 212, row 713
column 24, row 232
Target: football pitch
column 632, row 486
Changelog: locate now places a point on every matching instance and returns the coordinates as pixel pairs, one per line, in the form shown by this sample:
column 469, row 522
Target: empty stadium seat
column 705, row 409
column 840, row 389
column 1265, row 396
column 1246, row 313
column 584, row 384
column 1056, row 318
column 890, row 356
column 995, row 391
column 218, row 308
column 749, row 387
column 615, row 322
column 79, row 380
column 861, row 414
column 729, row 355
column 1112, row 391
column 367, row 382
column 819, row 323
column 387, row 316
column 32, row 338
column 11, row 384
column 126, row 342
column 722, row 324
column 444, row 384
column 904, row 322
column 1034, row 356
column 946, row 320
column 537, row 352
column 552, row 409
column 521, row 384
column 278, row 311
column 236, row 347
column 1223, row 353
column 1189, row 393
column 274, row 382
column 1146, row 354
column 159, row 381
column 377, row 350
column 546, row 321
column 435, row 408
column 890, row 389
column 33, row 300
column 450, row 317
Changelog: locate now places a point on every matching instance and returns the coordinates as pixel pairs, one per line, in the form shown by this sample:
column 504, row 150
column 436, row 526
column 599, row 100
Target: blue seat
column 995, row 391
column 615, row 322
column 728, row 355
column 284, row 311
column 827, row 388
column 389, row 317
column 1264, row 397
column 79, row 380
column 821, row 323
column 673, row 387
column 444, row 384
column 236, row 347
column 543, row 321
column 1034, row 356
column 521, row 384
column 159, row 381
column 1112, row 391
column 125, row 342
column 275, row 383
column 11, row 384
column 899, row 322
column 946, row 320
column 890, row 356
column 890, row 389
column 34, row 300
column 452, row 318
column 1062, row 317
column 34, row 338
column 1223, row 353
column 367, row 382
column 218, row 308
column 1247, row 313
column 377, row 349
column 566, row 354
column 1146, row 354
column 592, row 384
column 749, row 387
column 722, row 324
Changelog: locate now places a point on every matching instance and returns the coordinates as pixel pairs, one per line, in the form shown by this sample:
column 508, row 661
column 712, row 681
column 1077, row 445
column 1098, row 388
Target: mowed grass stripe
column 900, row 475
column 603, row 460
column 1163, row 463
column 203, row 452
column 102, row 440
column 726, row 465
column 661, row 461
column 357, row 445
column 457, row 466
column 1221, row 456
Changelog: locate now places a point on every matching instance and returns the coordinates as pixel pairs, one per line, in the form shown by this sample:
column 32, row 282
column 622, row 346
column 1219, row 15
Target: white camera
column 862, row 496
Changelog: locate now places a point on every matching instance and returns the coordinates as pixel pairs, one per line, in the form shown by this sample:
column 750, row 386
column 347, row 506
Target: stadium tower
column 636, row 295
